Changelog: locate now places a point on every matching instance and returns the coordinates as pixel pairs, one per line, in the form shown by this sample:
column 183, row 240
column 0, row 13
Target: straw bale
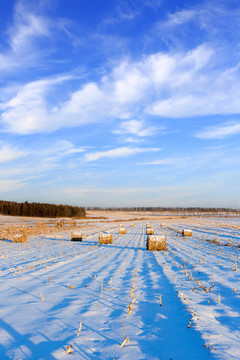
column 20, row 238
column 132, row 225
column 150, row 231
column 148, row 226
column 187, row 232
column 163, row 225
column 76, row 236
column 122, row 231
column 120, row 225
column 59, row 225
column 156, row 243
column 105, row 238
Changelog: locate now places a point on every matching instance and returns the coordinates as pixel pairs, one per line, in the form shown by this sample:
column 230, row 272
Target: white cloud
column 169, row 161
column 8, row 153
column 27, row 112
column 173, row 85
column 10, row 185
column 135, row 127
column 44, row 160
column 121, row 16
column 26, row 27
column 220, row 132
column 61, row 148
column 117, row 153
column 181, row 17
column 22, row 38
column 133, row 140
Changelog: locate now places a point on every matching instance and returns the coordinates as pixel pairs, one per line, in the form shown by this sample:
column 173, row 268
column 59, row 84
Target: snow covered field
column 80, row 300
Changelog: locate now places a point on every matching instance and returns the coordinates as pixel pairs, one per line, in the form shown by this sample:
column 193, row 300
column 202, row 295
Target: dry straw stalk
column 124, row 341
column 69, row 349
column 80, row 328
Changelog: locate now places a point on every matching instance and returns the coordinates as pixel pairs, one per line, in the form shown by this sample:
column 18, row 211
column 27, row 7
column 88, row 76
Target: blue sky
column 120, row 102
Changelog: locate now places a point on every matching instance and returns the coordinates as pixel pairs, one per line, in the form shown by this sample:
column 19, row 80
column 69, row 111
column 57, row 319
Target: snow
column 186, row 300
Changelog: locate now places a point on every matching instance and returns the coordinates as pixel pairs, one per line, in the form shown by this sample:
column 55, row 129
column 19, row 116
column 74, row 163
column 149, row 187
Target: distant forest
column 40, row 210
column 172, row 210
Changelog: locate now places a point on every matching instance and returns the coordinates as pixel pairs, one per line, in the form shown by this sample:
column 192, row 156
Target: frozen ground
column 55, row 293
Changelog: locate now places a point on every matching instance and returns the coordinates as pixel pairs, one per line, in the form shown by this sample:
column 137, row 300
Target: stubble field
column 62, row 299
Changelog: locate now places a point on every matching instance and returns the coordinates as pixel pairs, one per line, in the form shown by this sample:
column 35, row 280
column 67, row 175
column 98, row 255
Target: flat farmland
column 64, row 299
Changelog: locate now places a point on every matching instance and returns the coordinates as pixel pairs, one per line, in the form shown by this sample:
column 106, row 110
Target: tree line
column 172, row 210
column 40, row 209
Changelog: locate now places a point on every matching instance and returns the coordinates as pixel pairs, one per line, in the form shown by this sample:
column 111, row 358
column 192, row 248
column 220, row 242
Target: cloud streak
column 163, row 85
column 120, row 152
column 23, row 38
column 8, row 153
column 10, row 185
column 220, row 132
column 135, row 127
column 168, row 161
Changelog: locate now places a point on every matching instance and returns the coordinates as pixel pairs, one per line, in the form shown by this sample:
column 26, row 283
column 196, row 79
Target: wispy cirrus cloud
column 120, row 152
column 10, row 185
column 133, row 140
column 171, row 84
column 208, row 20
column 121, row 15
column 135, row 127
column 23, row 36
column 61, row 148
column 129, row 10
column 222, row 131
column 166, row 85
column 41, row 161
column 26, row 27
column 181, row 17
column 8, row 153
column 29, row 107
column 168, row 161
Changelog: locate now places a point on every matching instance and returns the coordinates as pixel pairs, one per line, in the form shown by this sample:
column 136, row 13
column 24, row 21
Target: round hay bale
column 20, row 238
column 156, row 243
column 187, row 232
column 76, row 236
column 122, row 231
column 105, row 238
column 149, row 232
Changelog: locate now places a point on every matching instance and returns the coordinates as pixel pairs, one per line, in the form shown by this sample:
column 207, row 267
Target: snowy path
column 94, row 284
